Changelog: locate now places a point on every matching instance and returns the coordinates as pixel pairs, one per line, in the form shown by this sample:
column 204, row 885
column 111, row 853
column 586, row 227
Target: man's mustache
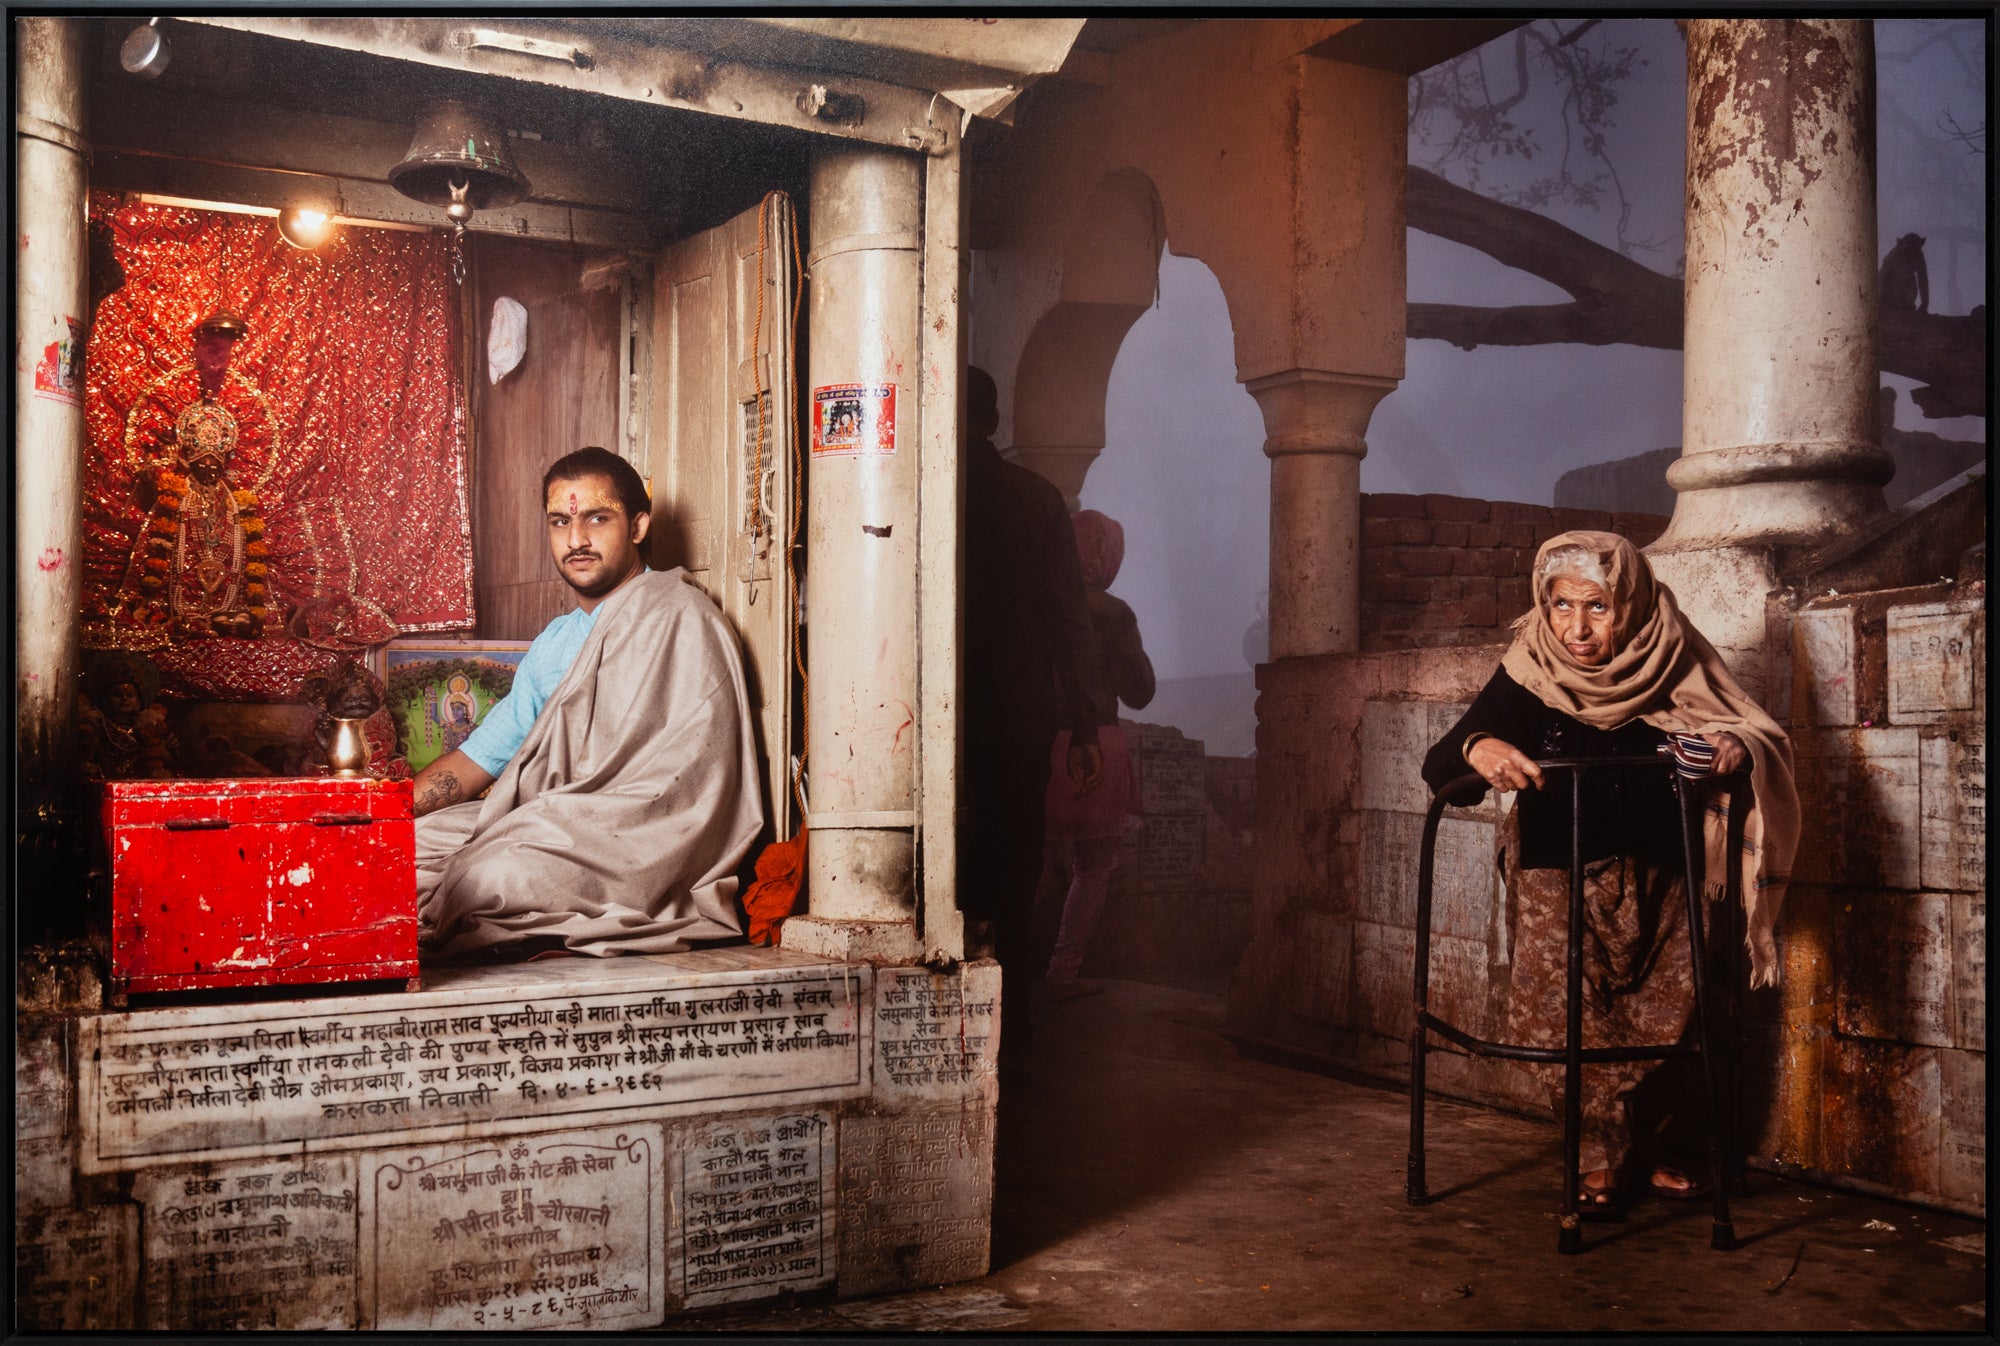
column 583, row 552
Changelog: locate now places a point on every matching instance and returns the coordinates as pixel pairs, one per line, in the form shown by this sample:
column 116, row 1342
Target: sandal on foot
column 1675, row 1185
column 1597, row 1204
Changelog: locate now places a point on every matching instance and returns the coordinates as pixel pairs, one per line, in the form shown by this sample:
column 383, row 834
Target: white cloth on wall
column 506, row 338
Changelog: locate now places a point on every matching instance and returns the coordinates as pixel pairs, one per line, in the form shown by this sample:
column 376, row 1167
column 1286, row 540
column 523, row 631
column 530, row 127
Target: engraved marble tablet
column 1935, row 657
column 1824, row 671
column 261, row 1244
column 936, row 1033
column 752, row 1212
column 560, row 1230
column 1952, row 779
column 75, row 1268
column 514, row 1049
column 917, row 1189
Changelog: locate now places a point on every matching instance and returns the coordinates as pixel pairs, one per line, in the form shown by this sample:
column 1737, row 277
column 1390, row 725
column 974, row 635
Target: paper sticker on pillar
column 854, row 420
column 59, row 373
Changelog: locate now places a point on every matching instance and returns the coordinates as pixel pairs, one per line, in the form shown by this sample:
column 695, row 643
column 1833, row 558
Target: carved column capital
column 1317, row 410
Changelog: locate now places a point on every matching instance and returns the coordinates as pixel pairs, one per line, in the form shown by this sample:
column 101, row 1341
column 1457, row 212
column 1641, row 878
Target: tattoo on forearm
column 440, row 792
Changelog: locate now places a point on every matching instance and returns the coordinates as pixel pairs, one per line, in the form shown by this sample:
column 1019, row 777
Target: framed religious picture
column 439, row 690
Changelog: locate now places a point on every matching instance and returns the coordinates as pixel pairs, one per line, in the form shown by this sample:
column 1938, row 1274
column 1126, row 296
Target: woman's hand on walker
column 1729, row 752
column 1504, row 766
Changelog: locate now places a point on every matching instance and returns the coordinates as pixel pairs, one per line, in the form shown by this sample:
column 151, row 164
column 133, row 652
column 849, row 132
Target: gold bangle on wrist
column 1465, row 748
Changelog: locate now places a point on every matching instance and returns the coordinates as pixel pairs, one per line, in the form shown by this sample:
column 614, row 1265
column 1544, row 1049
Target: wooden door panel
column 720, row 505
column 562, row 396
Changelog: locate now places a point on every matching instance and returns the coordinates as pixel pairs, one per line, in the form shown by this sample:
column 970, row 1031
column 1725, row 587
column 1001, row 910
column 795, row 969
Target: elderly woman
column 1605, row 665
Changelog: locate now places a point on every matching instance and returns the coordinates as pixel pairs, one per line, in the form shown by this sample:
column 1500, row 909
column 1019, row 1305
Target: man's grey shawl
column 621, row 822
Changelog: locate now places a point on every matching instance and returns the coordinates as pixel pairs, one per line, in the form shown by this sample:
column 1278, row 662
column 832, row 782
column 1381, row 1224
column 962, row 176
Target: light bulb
column 303, row 228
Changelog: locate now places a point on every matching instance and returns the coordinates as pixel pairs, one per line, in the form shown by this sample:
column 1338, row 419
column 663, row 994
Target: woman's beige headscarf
column 1667, row 674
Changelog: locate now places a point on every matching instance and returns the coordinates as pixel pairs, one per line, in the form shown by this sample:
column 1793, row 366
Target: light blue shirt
column 500, row 735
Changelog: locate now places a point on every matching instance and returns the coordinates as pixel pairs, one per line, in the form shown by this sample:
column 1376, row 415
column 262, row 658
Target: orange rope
column 756, row 366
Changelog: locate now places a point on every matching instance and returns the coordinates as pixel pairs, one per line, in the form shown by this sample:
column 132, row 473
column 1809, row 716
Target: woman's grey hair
column 1576, row 562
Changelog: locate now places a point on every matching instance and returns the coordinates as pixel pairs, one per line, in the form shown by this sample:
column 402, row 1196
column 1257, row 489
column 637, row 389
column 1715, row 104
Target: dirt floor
column 1152, row 1178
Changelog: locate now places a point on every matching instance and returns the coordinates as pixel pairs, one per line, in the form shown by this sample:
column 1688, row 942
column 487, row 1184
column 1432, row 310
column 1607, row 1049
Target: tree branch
column 1539, row 246
column 1468, row 325
column 1618, row 301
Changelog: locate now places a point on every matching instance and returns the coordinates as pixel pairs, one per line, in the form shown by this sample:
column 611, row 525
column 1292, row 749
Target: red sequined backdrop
column 347, row 400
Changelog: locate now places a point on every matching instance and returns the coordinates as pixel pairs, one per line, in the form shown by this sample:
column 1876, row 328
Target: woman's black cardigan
column 1624, row 812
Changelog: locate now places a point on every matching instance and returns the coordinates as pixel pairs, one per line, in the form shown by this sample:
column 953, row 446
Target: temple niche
column 224, row 473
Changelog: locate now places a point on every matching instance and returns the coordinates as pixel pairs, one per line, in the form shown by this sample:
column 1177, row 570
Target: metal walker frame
column 1724, row 1148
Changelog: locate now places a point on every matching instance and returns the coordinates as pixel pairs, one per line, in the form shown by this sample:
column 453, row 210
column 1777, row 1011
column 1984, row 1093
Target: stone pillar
column 1779, row 402
column 861, row 549
column 51, row 296
column 1315, row 423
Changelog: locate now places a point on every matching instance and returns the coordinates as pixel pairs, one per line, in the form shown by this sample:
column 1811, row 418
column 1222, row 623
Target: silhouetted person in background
column 1029, row 667
column 1084, row 829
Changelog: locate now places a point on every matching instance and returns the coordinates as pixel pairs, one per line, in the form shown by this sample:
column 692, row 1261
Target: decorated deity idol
column 122, row 731
column 199, row 567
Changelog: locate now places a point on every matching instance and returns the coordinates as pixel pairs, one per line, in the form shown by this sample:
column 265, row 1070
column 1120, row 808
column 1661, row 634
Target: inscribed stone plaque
column 562, row 1230
column 1935, row 657
column 1388, row 861
column 43, row 1171
column 1458, row 983
column 1880, row 1109
column 1394, row 737
column 752, row 1213
column 1962, row 1142
column 1862, row 786
column 1170, row 853
column 268, row 1243
column 1953, row 774
column 1968, row 970
column 936, row 1033
column 1466, row 881
column 916, row 1196
column 1172, row 778
column 515, row 1049
column 1893, row 967
column 1384, row 968
column 74, row 1269
column 1824, row 675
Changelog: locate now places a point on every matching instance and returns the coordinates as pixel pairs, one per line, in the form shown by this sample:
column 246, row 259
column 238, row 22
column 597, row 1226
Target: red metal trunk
column 259, row 882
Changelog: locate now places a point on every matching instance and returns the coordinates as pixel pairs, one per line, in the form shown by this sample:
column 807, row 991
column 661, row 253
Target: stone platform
column 573, row 1143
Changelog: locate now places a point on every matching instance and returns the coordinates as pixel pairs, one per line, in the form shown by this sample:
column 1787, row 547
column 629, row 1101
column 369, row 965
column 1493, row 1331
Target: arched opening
column 1184, row 472
column 1109, row 277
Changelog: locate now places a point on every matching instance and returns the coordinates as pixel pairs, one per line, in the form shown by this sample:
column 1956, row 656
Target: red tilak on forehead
column 572, row 502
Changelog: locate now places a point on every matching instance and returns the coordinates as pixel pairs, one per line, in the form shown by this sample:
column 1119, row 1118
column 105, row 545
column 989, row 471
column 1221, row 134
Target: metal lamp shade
column 456, row 147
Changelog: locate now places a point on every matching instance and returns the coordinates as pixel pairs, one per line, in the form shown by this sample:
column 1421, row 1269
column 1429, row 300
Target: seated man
column 623, row 770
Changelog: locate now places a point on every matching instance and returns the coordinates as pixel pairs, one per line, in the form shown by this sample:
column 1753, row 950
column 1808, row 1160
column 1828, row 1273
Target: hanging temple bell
column 460, row 161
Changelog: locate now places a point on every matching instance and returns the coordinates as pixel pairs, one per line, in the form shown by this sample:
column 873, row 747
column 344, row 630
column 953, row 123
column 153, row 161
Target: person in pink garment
column 1081, row 828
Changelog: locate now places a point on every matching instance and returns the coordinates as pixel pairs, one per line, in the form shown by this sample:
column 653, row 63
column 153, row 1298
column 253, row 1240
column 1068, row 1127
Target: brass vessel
column 347, row 750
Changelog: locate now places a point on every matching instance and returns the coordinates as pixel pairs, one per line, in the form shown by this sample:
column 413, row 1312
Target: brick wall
column 1881, row 1022
column 1180, row 897
column 1444, row 570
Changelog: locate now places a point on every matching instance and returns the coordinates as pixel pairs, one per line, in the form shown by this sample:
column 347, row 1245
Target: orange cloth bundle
column 781, row 872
